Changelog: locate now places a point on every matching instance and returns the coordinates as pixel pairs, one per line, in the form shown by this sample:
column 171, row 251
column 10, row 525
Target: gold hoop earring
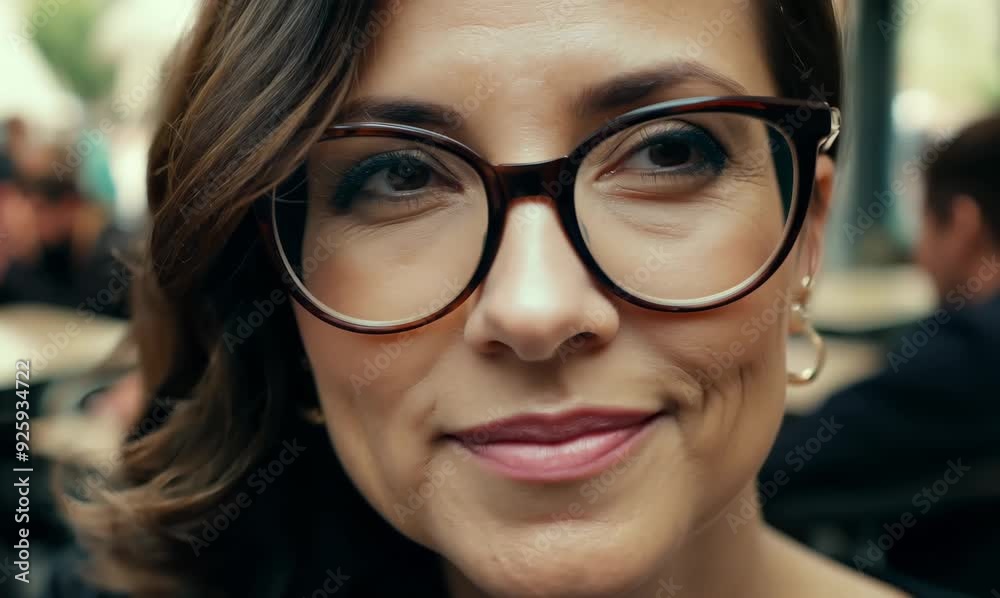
column 809, row 374
column 314, row 415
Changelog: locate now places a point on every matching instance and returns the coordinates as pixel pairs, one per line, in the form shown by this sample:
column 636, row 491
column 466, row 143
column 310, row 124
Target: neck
column 730, row 556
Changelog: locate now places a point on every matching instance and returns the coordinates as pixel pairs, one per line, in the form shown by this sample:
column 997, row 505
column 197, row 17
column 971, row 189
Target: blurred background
column 81, row 81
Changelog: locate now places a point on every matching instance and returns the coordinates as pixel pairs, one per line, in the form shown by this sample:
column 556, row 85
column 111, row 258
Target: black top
column 916, row 588
column 65, row 584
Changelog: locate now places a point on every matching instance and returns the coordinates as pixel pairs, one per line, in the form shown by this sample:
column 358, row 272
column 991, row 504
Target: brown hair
column 253, row 89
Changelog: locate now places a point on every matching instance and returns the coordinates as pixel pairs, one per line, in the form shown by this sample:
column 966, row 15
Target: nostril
column 579, row 341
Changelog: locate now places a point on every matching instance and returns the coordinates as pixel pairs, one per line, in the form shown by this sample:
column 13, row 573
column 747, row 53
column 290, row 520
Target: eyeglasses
column 680, row 206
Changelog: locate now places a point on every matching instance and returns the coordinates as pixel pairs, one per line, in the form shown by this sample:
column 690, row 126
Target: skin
column 512, row 346
column 55, row 221
column 19, row 228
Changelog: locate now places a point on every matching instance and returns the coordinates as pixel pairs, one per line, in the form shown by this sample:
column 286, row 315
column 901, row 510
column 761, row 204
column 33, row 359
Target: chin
column 598, row 560
column 560, row 576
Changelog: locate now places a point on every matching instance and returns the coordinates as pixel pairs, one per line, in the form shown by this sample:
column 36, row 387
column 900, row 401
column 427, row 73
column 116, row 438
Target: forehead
column 494, row 62
column 539, row 40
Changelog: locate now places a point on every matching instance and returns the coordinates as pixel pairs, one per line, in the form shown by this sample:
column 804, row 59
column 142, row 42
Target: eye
column 682, row 150
column 391, row 177
column 406, row 175
column 667, row 153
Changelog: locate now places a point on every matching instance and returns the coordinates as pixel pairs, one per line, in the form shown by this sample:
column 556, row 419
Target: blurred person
column 32, row 156
column 16, row 139
column 934, row 407
column 401, row 369
column 18, row 232
column 960, row 237
column 68, row 244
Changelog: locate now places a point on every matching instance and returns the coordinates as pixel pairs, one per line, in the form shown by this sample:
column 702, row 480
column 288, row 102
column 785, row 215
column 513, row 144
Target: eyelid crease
column 399, row 153
column 405, row 153
column 645, row 135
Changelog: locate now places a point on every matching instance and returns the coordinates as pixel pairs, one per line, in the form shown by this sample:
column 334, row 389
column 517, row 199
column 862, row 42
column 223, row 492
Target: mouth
column 552, row 448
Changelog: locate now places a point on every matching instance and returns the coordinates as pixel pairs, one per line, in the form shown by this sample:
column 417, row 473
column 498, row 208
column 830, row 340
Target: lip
column 560, row 447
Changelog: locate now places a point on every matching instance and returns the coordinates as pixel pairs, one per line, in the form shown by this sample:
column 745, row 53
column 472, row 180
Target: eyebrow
column 404, row 111
column 616, row 93
column 629, row 88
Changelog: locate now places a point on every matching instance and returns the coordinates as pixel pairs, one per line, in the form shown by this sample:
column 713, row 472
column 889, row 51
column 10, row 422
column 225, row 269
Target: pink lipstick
column 551, row 448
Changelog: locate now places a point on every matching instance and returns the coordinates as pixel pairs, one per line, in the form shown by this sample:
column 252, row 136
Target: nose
column 538, row 299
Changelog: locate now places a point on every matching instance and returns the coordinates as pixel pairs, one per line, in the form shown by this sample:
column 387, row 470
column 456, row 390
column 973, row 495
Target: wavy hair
column 250, row 90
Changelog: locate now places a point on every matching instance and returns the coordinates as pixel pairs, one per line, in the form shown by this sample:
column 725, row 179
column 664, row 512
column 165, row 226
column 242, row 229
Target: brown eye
column 669, row 153
column 408, row 175
column 687, row 150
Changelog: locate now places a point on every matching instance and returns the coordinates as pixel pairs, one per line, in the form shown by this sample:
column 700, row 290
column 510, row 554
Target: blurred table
column 847, row 362
column 58, row 341
column 863, row 299
column 850, row 304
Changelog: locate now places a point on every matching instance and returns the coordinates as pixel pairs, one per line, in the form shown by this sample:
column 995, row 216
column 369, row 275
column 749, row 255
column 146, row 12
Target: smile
column 557, row 448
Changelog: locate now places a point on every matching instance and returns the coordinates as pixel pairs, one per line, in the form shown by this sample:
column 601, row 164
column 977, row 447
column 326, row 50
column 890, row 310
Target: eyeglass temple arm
column 828, row 141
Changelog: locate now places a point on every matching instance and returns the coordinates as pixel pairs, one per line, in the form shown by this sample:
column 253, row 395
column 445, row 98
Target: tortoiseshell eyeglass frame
column 809, row 127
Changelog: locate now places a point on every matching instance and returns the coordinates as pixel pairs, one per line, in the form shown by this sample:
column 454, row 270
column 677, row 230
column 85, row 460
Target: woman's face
column 541, row 336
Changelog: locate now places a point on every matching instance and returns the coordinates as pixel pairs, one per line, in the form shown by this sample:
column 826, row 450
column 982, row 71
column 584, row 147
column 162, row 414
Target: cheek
column 735, row 359
column 368, row 387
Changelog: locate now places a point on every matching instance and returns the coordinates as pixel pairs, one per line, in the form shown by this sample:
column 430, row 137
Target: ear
column 966, row 225
column 811, row 240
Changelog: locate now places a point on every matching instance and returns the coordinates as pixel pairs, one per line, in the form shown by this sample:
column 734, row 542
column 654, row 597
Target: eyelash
column 707, row 144
column 352, row 180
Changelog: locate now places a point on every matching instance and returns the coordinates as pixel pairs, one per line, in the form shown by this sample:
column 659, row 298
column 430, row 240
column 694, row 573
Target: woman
column 404, row 370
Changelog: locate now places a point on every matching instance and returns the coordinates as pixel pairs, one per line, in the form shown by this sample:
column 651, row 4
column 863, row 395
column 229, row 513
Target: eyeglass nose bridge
column 551, row 178
column 555, row 179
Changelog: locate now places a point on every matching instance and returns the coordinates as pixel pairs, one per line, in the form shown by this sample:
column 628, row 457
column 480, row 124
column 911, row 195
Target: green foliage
column 65, row 38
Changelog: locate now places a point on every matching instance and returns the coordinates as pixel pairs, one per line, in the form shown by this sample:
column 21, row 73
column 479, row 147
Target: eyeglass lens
column 676, row 211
